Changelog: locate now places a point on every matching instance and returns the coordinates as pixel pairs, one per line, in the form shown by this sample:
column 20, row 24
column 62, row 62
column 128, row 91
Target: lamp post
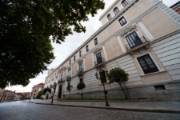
column 54, row 90
column 105, row 95
column 103, row 81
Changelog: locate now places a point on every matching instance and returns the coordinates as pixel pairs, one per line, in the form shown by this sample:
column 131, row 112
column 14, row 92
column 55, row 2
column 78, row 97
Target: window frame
column 124, row 3
column 81, row 66
column 149, row 69
column 96, row 41
column 116, row 11
column 101, row 60
column 132, row 42
column 87, row 48
column 122, row 21
column 109, row 17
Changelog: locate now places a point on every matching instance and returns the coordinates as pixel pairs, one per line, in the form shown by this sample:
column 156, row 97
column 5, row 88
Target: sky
column 72, row 42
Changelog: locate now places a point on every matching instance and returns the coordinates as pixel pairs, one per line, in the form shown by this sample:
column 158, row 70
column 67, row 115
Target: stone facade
column 7, row 95
column 143, row 38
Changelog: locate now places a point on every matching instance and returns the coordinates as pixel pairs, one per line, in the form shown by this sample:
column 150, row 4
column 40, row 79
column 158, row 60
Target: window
column 81, row 68
column 116, row 10
column 79, row 53
column 160, row 87
column 124, row 3
column 95, row 41
column 69, row 69
column 74, row 58
column 133, row 40
column 122, row 21
column 147, row 64
column 87, row 48
column 70, row 62
column 109, row 17
column 99, row 58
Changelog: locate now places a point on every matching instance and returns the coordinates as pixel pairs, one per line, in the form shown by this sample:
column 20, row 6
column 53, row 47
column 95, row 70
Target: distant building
column 36, row 89
column 1, row 93
column 23, row 96
column 7, row 95
column 176, row 7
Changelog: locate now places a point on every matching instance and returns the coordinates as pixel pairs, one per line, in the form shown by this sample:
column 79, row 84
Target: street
column 22, row 110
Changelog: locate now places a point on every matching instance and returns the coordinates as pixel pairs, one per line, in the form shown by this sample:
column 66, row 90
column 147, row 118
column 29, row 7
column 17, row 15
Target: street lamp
column 53, row 92
column 103, row 81
column 105, row 95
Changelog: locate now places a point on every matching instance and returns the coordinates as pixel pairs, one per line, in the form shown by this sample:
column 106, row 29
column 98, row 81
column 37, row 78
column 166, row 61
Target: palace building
column 141, row 37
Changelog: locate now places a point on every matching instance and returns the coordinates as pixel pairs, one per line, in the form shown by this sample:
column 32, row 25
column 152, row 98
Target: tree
column 27, row 28
column 39, row 95
column 81, row 86
column 45, row 90
column 120, row 76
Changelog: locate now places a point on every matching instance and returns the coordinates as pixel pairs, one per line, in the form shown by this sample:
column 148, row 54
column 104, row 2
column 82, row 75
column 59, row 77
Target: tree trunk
column 124, row 90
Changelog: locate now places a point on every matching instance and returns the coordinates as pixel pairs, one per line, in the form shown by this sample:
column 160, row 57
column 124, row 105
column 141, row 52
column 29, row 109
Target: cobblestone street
column 30, row 111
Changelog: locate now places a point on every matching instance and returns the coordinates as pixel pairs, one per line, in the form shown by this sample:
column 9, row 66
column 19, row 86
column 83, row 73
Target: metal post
column 105, row 95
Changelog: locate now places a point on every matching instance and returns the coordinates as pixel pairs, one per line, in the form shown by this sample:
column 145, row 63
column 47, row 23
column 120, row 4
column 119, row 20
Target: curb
column 113, row 108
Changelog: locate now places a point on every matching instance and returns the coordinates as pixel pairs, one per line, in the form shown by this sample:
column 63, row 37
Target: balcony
column 143, row 45
column 100, row 63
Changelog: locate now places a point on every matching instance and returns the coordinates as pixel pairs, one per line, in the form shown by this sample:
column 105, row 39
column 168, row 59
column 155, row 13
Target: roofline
column 40, row 84
column 109, row 8
column 175, row 4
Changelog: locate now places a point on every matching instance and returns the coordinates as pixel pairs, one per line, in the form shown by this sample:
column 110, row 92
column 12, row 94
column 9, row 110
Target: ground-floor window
column 147, row 64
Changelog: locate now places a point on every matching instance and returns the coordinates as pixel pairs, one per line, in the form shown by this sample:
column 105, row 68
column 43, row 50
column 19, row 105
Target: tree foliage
column 45, row 90
column 81, row 85
column 118, row 75
column 39, row 95
column 25, row 30
column 69, row 86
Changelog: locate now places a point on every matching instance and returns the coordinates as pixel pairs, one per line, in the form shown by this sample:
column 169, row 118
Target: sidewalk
column 163, row 107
